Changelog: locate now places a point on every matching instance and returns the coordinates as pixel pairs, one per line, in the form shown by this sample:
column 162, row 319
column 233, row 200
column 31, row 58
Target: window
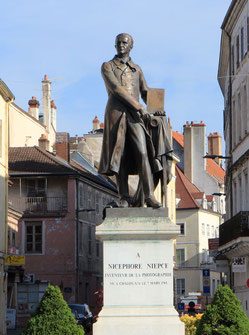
column 203, row 228
column 208, row 230
column 81, row 196
column 33, row 242
column 204, row 256
column 180, row 257
column 216, row 232
column 182, row 228
column 36, row 187
column 180, row 286
column 212, row 231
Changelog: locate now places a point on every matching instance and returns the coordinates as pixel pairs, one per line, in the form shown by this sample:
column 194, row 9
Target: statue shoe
column 123, row 203
column 152, row 203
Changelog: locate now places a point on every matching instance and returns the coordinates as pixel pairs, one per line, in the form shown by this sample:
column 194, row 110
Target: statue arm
column 117, row 90
column 143, row 86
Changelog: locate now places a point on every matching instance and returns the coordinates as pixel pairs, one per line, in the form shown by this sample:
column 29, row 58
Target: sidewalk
column 16, row 331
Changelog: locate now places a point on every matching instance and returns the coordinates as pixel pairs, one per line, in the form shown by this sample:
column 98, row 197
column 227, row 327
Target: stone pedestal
column 138, row 273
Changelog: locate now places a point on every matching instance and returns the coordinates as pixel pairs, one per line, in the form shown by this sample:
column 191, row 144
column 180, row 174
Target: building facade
column 233, row 80
column 199, row 210
column 62, row 203
column 6, row 97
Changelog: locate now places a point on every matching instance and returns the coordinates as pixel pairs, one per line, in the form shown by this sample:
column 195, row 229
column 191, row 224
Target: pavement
column 16, row 331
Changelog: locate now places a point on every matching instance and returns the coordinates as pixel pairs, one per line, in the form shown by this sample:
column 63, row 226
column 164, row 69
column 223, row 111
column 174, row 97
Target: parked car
column 83, row 316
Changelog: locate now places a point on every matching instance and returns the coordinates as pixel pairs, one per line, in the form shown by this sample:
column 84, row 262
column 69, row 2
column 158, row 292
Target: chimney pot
column 187, row 123
column 201, row 122
column 43, row 142
column 192, row 122
column 102, row 125
column 45, row 77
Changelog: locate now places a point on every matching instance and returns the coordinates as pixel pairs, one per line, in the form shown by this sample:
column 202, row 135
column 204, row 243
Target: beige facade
column 25, row 128
column 192, row 250
column 5, row 98
column 233, row 80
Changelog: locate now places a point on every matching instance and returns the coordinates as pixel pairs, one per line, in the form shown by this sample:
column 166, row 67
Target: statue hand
column 144, row 114
column 159, row 113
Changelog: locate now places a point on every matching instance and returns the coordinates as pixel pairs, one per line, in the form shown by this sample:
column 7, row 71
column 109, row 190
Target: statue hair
column 127, row 35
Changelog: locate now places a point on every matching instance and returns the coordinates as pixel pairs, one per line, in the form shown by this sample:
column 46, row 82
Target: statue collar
column 118, row 61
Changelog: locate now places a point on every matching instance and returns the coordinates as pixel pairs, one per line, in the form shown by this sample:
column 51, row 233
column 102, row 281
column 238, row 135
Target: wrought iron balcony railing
column 40, row 204
column 237, row 226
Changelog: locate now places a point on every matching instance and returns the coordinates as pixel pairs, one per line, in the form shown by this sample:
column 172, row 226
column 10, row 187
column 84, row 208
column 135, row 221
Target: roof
column 178, row 137
column 33, row 160
column 6, row 92
column 212, row 168
column 215, row 170
column 186, row 191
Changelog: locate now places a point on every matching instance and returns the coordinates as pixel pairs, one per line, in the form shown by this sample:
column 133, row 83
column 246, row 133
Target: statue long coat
column 124, row 83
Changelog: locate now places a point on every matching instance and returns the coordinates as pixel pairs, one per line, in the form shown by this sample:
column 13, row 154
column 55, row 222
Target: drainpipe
column 230, row 122
column 77, row 240
column 7, row 171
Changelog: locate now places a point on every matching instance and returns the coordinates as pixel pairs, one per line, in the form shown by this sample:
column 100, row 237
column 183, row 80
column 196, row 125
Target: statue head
column 123, row 44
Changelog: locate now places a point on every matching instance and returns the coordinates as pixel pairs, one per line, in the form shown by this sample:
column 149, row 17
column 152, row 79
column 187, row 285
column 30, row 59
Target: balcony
column 237, row 226
column 40, row 205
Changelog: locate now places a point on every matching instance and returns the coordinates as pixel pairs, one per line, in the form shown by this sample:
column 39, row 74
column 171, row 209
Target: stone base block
column 140, row 321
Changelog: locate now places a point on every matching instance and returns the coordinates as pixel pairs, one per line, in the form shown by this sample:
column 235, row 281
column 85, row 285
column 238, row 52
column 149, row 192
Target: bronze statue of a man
column 127, row 146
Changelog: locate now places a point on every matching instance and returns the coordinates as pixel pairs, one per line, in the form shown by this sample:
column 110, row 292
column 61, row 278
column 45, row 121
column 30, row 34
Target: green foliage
column 53, row 316
column 224, row 316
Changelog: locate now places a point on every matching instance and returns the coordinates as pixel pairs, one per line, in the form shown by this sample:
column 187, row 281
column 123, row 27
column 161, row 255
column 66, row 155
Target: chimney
column 46, row 97
column 84, row 149
column 53, row 114
column 215, row 146
column 102, row 125
column 194, row 150
column 34, row 108
column 43, row 142
column 95, row 123
column 62, row 146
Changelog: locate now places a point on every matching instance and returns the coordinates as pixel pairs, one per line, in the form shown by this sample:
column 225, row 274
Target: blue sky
column 176, row 43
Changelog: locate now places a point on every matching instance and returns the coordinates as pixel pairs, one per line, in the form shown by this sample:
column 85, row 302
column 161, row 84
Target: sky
column 176, row 43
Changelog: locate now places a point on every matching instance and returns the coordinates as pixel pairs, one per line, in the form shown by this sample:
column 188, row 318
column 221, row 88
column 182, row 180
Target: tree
column 224, row 316
column 53, row 316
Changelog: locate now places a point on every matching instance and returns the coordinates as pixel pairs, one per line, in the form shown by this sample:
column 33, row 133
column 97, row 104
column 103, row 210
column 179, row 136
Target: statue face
column 123, row 45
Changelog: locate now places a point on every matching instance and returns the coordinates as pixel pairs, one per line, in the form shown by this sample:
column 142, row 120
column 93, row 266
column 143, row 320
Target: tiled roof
column 186, row 190
column 178, row 137
column 212, row 168
column 215, row 170
column 33, row 160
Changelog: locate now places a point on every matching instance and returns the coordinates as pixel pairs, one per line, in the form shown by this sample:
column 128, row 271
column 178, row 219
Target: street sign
column 180, row 306
column 206, row 281
column 15, row 260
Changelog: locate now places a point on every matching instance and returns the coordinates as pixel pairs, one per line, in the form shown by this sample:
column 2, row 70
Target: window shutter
column 237, row 52
column 245, row 36
column 232, row 60
column 241, row 44
column 247, row 33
